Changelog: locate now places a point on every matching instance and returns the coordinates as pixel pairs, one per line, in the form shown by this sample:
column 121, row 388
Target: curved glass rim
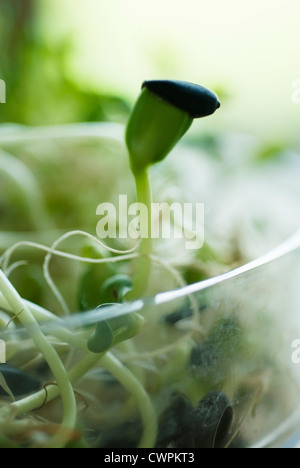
column 91, row 317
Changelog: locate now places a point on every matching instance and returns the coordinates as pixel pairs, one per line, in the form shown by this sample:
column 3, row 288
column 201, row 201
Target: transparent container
column 215, row 361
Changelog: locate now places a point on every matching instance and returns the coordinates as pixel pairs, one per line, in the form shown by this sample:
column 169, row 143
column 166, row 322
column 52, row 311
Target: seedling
column 148, row 387
column 163, row 113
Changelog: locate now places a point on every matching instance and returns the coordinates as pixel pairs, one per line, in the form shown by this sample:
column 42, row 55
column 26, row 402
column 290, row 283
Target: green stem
column 144, row 196
column 21, row 310
column 36, row 400
column 133, row 385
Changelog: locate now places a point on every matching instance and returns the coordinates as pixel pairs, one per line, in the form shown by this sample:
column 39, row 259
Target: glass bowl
column 214, row 360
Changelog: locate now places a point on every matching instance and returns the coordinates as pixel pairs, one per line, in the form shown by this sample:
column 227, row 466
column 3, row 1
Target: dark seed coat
column 194, row 99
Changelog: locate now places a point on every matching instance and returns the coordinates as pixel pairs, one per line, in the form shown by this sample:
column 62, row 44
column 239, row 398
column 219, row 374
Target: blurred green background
column 72, row 60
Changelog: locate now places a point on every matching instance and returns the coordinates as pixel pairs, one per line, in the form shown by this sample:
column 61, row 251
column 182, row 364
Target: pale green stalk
column 22, row 312
column 144, row 196
column 133, row 386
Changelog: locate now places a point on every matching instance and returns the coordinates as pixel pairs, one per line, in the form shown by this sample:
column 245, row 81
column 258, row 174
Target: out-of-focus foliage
column 38, row 88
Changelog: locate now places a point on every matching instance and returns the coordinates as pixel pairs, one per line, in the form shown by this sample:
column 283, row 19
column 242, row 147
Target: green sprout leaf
column 153, row 130
column 115, row 288
column 109, row 333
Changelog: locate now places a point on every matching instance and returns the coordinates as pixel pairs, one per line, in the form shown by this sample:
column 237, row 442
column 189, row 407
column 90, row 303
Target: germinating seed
column 212, row 421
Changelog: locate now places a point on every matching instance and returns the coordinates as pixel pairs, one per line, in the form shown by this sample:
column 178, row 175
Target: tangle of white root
column 121, row 256
column 52, row 251
column 54, row 246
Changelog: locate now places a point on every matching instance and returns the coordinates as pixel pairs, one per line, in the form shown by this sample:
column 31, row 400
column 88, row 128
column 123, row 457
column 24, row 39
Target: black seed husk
column 194, row 99
column 213, row 420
